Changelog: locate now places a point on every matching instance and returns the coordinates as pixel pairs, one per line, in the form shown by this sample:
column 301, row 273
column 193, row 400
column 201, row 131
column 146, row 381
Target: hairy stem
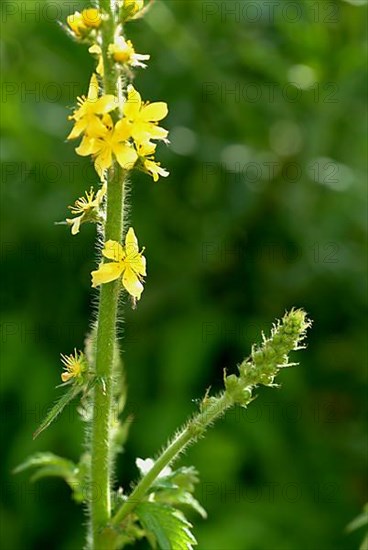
column 100, row 479
column 187, row 435
column 261, row 367
column 103, row 392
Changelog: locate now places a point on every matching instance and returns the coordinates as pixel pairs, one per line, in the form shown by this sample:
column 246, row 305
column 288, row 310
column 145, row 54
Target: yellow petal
column 133, row 103
column 95, row 48
column 155, row 169
column 131, row 242
column 78, row 128
column 132, row 283
column 153, row 112
column 113, row 251
column 76, row 23
column 88, row 146
column 100, row 67
column 144, row 131
column 65, row 376
column 125, row 155
column 107, row 122
column 137, row 263
column 146, row 149
column 157, row 132
column 99, row 171
column 122, row 130
column 95, row 127
column 105, row 104
column 75, row 223
column 93, row 88
column 103, row 159
column 106, row 273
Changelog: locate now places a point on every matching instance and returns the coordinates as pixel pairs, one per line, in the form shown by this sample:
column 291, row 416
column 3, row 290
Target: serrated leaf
column 177, row 497
column 57, row 409
column 169, row 527
column 184, row 478
column 189, row 500
column 176, row 489
column 131, row 533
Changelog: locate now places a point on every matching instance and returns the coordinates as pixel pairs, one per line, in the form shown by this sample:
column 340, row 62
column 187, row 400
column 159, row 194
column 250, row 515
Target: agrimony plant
column 120, row 133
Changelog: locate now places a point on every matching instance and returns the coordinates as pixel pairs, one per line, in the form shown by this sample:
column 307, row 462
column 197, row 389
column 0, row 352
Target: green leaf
column 188, row 500
column 177, row 497
column 176, row 489
column 170, row 529
column 48, row 464
column 184, row 478
column 57, row 408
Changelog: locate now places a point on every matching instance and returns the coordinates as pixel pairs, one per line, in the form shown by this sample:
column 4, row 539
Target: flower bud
column 130, row 8
column 266, row 360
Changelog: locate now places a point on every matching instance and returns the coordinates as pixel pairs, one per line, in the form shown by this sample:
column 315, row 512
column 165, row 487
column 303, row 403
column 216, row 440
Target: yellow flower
column 144, row 117
column 91, row 17
column 81, row 23
column 111, row 141
column 87, row 207
column 127, row 262
column 87, row 117
column 145, row 152
column 123, row 52
column 131, row 7
column 74, row 366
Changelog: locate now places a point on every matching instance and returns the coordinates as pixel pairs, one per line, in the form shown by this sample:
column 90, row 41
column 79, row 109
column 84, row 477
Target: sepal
column 58, row 408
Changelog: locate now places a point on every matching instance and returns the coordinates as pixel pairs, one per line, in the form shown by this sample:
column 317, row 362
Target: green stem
column 187, row 435
column 100, row 444
column 103, row 392
column 260, row 368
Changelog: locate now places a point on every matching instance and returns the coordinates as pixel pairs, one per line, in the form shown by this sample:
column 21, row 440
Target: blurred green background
column 264, row 210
